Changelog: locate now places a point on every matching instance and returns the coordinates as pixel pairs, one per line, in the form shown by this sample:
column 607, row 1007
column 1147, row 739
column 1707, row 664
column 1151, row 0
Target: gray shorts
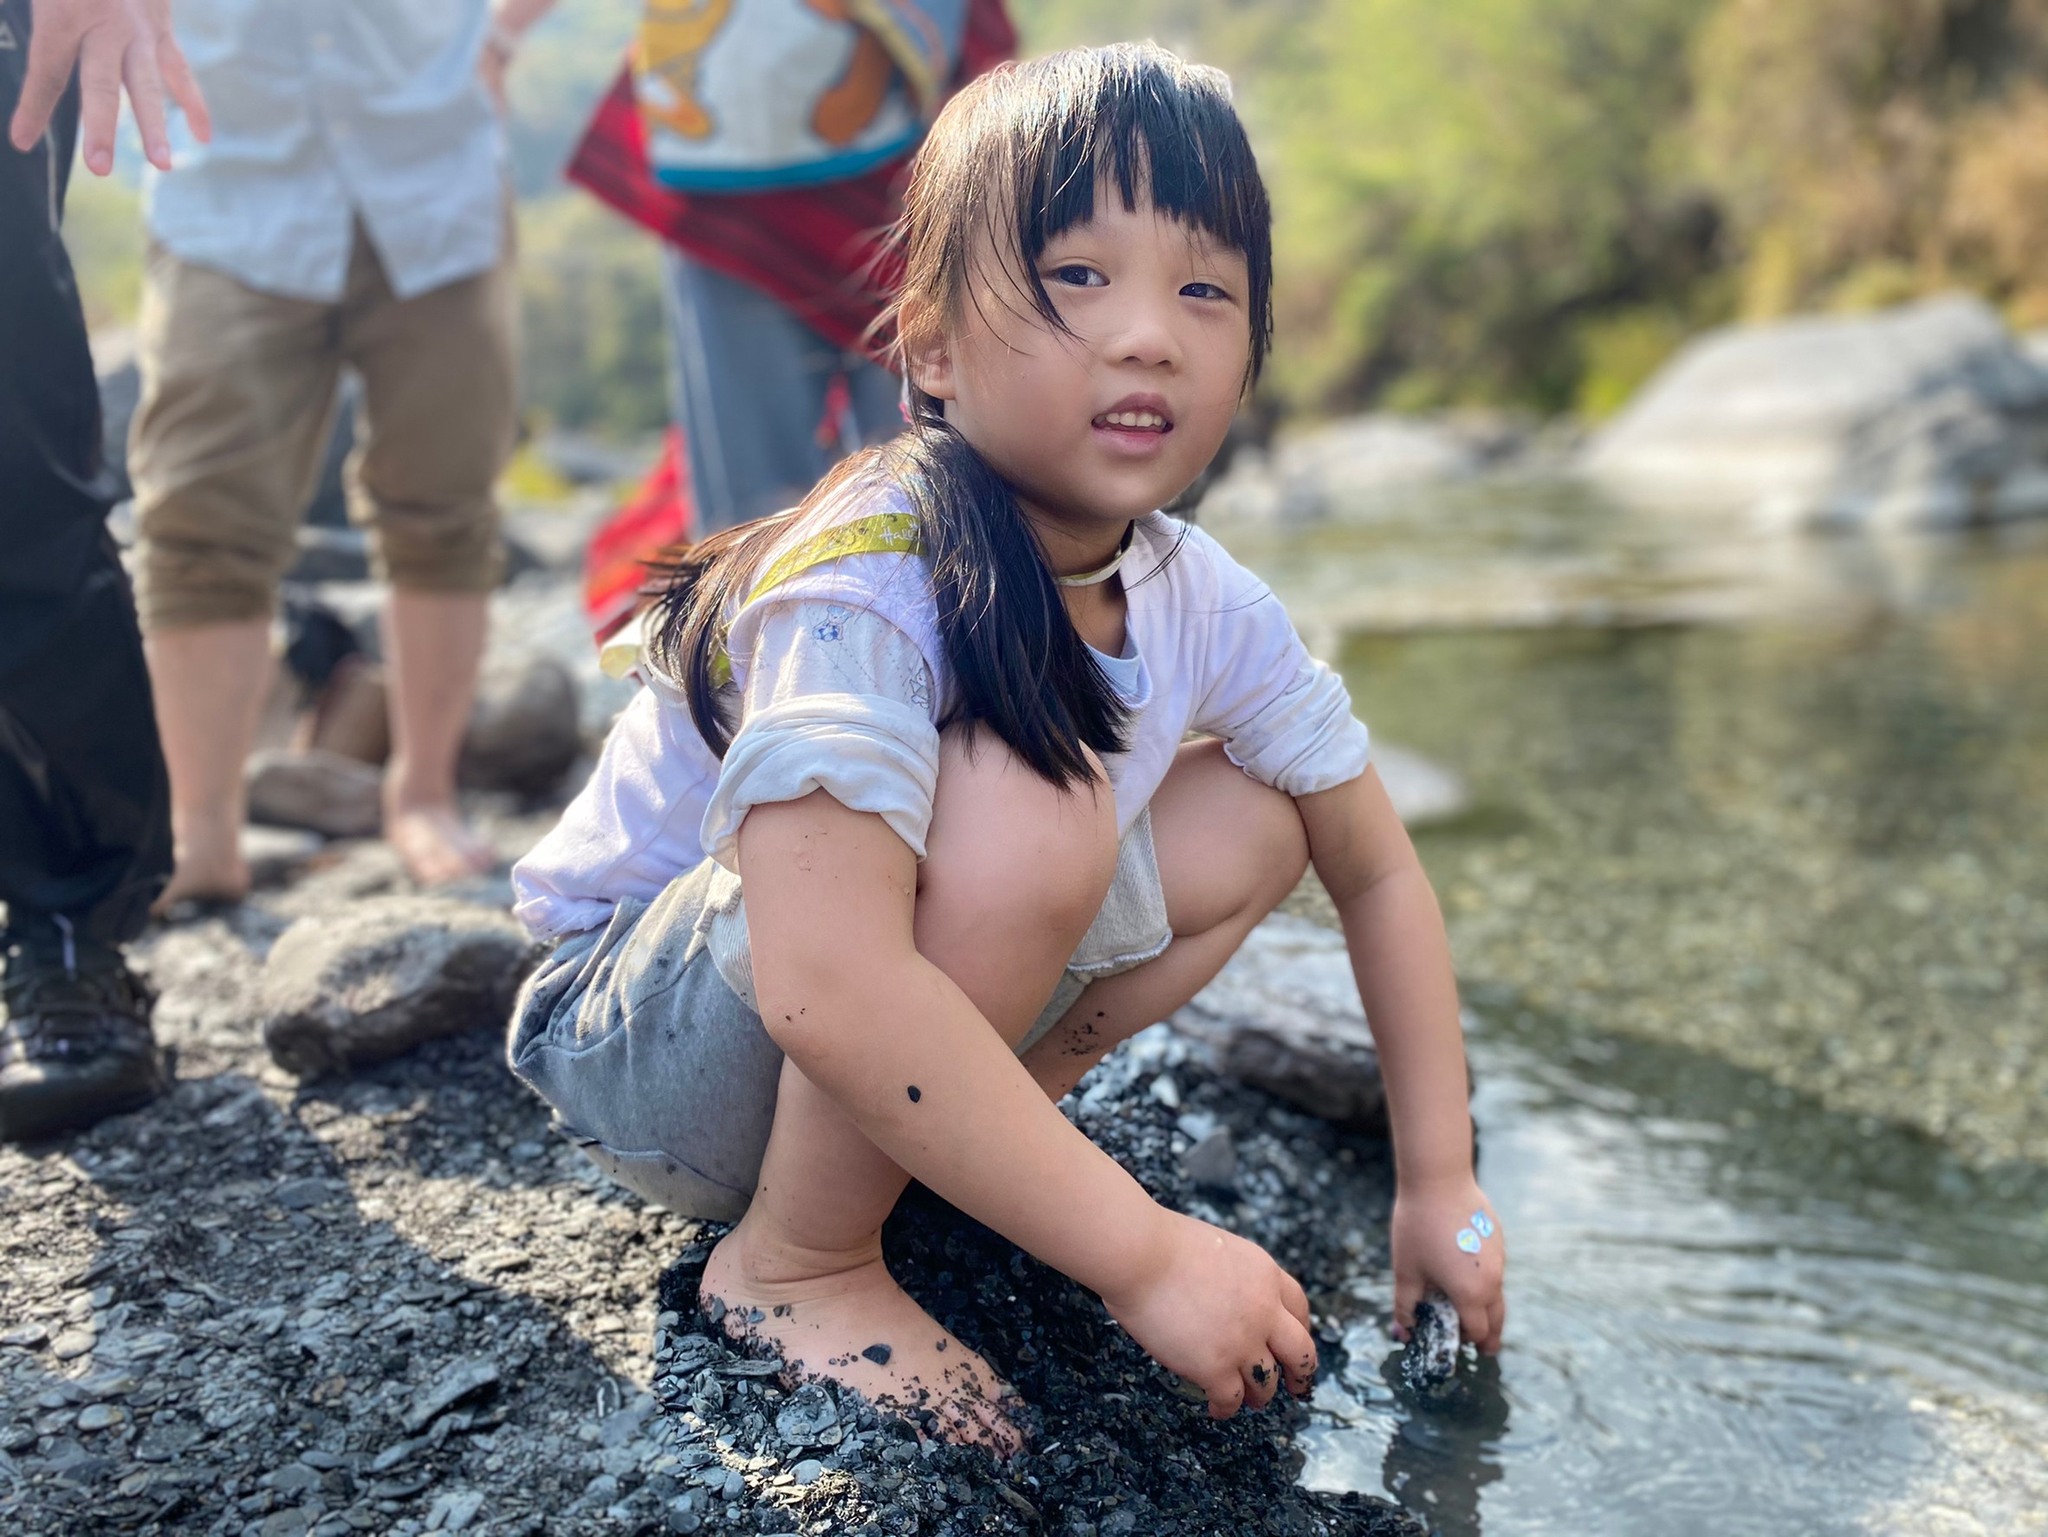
column 663, row 1074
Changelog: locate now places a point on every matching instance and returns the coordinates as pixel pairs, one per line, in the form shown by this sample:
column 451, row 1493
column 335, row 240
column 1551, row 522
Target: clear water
column 1752, row 912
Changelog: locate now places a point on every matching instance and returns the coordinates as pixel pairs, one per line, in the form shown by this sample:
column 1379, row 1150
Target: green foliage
column 103, row 234
column 1455, row 185
column 1868, row 150
column 590, row 286
column 1527, row 202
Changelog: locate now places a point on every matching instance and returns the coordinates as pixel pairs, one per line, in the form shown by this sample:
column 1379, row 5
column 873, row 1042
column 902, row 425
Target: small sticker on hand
column 1482, row 1224
column 1468, row 1240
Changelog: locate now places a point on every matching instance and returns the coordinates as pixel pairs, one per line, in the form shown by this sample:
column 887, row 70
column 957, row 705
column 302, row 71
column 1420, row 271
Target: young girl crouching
column 932, row 725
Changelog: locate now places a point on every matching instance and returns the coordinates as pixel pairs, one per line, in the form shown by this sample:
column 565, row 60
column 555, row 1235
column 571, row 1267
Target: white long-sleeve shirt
column 839, row 679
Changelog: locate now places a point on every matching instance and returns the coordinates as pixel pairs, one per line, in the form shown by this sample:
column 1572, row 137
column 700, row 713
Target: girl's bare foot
column 857, row 1327
column 435, row 845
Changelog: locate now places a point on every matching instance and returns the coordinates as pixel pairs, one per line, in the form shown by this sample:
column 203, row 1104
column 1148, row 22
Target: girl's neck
column 1075, row 547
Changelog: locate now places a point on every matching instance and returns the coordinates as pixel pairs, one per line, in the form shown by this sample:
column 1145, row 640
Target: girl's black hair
column 1017, row 157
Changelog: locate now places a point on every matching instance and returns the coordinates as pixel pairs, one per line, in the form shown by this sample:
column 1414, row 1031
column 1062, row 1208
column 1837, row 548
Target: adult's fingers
column 99, row 91
column 146, row 100
column 52, row 50
column 184, row 88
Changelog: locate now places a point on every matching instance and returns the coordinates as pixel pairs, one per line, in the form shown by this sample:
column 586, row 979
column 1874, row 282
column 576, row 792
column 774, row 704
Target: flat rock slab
column 378, row 976
column 1284, row 1016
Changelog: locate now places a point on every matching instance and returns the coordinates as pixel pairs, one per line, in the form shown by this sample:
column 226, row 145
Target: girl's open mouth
column 1133, row 421
column 1137, row 423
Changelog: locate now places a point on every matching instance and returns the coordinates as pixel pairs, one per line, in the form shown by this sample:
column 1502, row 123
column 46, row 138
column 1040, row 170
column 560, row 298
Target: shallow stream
column 1751, row 908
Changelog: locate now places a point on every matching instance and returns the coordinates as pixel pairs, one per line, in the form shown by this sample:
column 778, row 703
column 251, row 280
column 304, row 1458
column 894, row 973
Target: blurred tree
column 1462, row 191
column 590, row 285
column 1866, row 150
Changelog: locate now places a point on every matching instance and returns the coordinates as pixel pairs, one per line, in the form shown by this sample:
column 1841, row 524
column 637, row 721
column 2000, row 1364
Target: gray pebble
column 303, row 1194
column 1212, row 1162
column 73, row 1343
column 809, row 1413
column 27, row 1336
column 99, row 1417
column 809, row 1471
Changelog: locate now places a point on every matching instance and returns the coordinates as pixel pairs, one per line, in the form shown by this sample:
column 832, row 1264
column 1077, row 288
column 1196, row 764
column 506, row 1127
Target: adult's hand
column 113, row 43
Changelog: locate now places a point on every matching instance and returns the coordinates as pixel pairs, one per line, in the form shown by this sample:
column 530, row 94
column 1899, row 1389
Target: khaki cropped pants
column 238, row 398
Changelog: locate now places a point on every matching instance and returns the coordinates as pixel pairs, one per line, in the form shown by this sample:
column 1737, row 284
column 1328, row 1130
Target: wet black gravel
column 1117, row 1445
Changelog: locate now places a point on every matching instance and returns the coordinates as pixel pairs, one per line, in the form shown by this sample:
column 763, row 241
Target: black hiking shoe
column 75, row 1043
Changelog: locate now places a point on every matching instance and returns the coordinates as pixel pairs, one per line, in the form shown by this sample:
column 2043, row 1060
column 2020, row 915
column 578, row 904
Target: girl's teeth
column 1133, row 419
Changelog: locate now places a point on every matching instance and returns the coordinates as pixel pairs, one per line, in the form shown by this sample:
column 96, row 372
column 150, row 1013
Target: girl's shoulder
column 859, row 548
column 861, row 544
column 1187, row 562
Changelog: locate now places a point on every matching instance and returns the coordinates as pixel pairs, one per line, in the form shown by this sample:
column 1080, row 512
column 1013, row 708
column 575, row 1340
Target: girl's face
column 1116, row 419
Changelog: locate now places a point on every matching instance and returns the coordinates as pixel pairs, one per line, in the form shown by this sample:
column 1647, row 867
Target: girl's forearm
column 1402, row 960
column 931, row 1083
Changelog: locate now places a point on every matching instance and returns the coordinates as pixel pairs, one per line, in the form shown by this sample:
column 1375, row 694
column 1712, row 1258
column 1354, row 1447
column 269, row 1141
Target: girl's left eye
column 1202, row 291
column 1075, row 276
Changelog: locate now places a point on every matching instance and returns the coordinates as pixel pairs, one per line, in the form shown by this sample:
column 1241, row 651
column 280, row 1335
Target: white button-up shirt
column 324, row 110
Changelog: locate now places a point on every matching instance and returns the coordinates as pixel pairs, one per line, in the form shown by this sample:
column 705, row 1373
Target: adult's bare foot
column 863, row 1331
column 435, row 845
column 207, row 869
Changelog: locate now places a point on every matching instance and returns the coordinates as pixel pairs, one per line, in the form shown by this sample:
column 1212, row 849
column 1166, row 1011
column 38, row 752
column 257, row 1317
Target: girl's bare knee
column 1009, row 852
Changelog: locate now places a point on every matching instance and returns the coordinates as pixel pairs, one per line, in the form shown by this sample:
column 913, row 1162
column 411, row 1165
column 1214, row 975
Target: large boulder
column 1362, row 465
column 1924, row 416
column 376, row 977
column 1284, row 1016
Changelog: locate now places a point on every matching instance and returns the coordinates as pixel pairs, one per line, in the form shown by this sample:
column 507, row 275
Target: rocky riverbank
column 390, row 1301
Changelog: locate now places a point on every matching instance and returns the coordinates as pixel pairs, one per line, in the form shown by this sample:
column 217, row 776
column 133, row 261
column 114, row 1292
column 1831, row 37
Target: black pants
column 84, row 804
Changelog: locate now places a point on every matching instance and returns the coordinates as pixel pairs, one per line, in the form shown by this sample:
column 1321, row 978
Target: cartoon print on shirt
column 850, row 103
column 673, row 37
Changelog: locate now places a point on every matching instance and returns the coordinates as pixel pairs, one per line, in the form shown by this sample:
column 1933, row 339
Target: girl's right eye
column 1074, row 275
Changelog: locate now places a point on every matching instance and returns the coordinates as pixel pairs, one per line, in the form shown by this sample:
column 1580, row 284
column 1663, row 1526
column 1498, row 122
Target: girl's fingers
column 1407, row 1292
column 1497, row 1318
column 1474, row 1323
column 1294, row 1349
column 1226, row 1397
column 1261, row 1382
column 1295, row 1300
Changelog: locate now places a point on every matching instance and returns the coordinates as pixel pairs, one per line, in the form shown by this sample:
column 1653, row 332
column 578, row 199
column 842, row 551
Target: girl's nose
column 1147, row 337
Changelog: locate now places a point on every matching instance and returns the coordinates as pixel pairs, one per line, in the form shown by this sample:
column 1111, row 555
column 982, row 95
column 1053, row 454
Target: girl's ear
column 927, row 360
column 931, row 370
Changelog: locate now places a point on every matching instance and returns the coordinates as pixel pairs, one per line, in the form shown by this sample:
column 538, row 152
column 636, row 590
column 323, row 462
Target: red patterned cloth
column 812, row 250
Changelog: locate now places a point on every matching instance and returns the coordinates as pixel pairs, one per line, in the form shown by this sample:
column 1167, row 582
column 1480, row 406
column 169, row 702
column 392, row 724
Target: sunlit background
column 1730, row 700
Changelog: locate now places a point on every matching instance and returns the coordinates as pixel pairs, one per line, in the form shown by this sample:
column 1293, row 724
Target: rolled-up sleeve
column 1284, row 717
column 835, row 698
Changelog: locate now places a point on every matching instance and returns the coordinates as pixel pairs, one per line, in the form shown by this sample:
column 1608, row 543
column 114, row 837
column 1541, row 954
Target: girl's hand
column 1216, row 1310
column 1431, row 1250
